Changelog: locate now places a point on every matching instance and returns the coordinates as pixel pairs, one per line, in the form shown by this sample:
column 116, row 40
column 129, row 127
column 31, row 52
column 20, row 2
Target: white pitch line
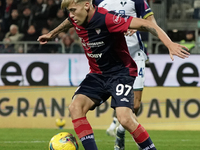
column 47, row 141
column 24, row 141
column 182, row 140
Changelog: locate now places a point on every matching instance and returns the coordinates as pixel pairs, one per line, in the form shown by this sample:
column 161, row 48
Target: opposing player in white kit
column 139, row 9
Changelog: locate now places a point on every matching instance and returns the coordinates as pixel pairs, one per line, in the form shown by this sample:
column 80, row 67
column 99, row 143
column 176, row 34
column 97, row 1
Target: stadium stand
column 31, row 16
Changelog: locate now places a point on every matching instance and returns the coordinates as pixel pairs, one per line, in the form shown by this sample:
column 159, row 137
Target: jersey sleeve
column 142, row 9
column 116, row 22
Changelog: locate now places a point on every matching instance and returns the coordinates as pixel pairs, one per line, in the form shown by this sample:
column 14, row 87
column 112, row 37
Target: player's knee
column 124, row 121
column 75, row 110
column 72, row 108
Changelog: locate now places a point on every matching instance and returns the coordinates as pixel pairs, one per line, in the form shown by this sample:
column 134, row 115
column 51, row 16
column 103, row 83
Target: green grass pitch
column 38, row 139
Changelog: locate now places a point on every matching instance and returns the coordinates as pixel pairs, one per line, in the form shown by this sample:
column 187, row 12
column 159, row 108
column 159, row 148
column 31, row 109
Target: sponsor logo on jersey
column 87, row 46
column 94, row 55
column 95, row 44
column 98, row 31
column 117, row 18
column 124, row 100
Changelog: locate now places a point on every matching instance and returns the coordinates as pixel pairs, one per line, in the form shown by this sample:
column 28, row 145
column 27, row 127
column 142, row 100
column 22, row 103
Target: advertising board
column 163, row 108
column 70, row 70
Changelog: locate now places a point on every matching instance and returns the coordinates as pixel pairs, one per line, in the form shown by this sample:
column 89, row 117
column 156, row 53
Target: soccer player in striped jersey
column 139, row 9
column 112, row 70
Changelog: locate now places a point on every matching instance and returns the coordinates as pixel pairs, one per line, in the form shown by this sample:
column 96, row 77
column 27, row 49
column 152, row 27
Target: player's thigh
column 82, row 101
column 80, row 105
column 93, row 87
column 123, row 112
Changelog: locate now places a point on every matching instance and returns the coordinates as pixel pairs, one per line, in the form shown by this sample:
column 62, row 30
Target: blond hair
column 66, row 3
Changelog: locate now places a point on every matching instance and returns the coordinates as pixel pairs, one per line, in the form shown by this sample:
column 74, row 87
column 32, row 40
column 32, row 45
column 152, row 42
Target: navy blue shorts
column 100, row 87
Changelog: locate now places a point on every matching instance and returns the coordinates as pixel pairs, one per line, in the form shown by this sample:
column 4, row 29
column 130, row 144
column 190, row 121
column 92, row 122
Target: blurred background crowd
column 22, row 21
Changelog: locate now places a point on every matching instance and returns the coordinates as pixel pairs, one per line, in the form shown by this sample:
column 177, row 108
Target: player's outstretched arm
column 174, row 48
column 64, row 26
column 130, row 32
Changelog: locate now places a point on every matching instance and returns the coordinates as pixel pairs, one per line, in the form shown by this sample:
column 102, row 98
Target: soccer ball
column 63, row 141
column 60, row 123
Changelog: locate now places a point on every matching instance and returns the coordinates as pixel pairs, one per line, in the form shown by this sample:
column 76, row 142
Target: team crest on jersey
column 98, row 31
column 123, row 2
column 117, row 18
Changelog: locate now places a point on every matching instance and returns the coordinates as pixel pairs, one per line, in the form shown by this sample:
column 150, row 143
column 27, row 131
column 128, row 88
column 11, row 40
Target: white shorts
column 140, row 61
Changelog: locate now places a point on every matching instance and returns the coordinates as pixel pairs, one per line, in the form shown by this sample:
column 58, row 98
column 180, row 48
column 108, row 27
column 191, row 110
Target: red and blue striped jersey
column 104, row 43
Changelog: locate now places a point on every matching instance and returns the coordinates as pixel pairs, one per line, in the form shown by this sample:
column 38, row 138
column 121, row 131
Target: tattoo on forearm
column 61, row 27
column 152, row 30
column 64, row 26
